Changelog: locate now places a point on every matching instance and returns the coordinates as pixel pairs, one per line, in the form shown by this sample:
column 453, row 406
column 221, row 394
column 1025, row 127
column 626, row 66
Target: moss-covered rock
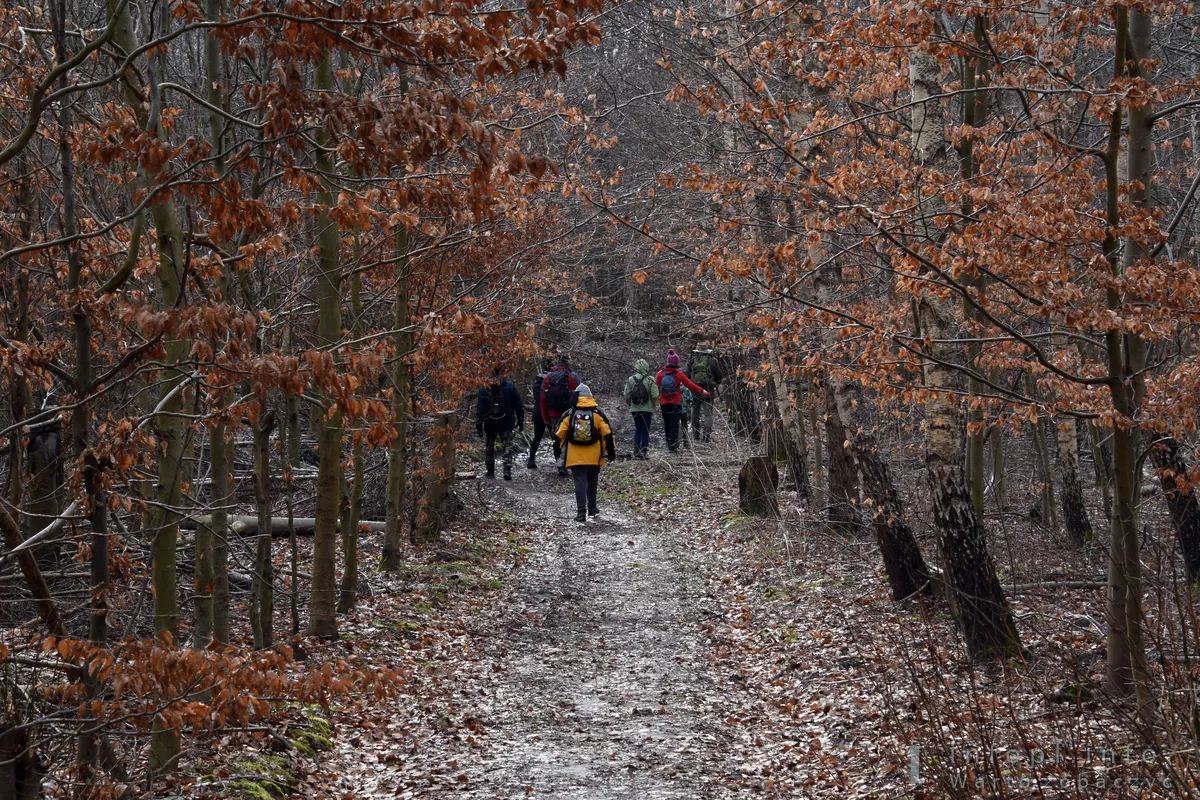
column 265, row 777
column 315, row 736
column 249, row 789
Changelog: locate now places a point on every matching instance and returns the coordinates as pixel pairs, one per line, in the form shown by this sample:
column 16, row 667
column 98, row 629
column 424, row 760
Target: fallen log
column 248, row 526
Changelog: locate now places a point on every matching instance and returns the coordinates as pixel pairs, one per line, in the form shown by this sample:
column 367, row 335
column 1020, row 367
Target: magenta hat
column 672, row 358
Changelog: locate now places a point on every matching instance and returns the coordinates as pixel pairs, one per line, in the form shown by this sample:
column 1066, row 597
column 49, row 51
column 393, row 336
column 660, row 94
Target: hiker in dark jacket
column 641, row 395
column 705, row 373
column 557, row 398
column 499, row 413
column 586, row 436
column 539, row 421
column 671, row 380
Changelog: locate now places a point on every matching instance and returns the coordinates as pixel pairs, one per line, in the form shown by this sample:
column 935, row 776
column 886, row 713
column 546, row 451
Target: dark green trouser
column 506, row 449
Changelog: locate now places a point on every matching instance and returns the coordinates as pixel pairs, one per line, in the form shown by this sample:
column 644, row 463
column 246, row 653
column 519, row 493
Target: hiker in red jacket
column 558, row 389
column 671, row 380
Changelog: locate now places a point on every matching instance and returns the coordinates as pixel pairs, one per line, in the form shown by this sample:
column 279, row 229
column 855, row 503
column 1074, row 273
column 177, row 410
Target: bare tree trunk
column 819, row 481
column 221, row 454
column 441, row 475
column 1127, row 668
column 202, row 616
column 788, row 421
column 18, row 384
column 264, row 568
column 322, row 619
column 978, row 601
column 976, row 428
column 843, row 477
column 397, row 450
column 906, row 569
column 1128, row 672
column 292, row 457
column 169, row 422
column 1079, row 528
column 208, row 604
column 999, row 478
column 907, row 573
column 804, row 484
column 1049, row 509
column 87, row 752
column 350, row 516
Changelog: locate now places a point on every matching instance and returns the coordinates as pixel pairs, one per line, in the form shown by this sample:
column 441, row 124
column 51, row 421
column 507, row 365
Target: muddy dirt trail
column 598, row 687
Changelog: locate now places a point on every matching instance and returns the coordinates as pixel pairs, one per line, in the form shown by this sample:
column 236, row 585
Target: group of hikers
column 581, row 436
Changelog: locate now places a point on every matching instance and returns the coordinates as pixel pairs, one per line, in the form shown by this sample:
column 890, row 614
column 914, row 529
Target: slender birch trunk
column 907, row 572
column 1075, row 515
column 843, row 477
column 977, row 599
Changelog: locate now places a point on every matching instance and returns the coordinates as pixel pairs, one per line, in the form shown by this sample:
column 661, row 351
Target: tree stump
column 441, row 474
column 758, row 483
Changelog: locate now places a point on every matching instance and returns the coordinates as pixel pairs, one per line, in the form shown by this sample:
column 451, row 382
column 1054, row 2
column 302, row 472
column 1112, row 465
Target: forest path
column 598, row 685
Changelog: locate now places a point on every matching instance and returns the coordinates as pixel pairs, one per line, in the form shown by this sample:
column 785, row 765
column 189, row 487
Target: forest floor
column 585, row 678
column 613, row 663
column 676, row 649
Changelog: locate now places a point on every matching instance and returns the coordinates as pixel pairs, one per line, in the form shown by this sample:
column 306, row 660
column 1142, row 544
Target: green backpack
column 700, row 370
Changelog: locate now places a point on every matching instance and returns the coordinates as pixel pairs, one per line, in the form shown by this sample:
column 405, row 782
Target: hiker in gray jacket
column 641, row 395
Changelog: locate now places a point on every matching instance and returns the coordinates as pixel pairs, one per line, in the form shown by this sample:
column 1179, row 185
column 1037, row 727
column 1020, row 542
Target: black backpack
column 639, row 395
column 493, row 403
column 558, row 393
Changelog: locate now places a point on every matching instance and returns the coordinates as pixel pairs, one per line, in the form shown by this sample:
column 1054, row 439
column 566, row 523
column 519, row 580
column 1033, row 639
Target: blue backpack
column 670, row 384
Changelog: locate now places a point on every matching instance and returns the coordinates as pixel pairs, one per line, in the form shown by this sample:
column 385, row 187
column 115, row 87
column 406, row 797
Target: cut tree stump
column 758, row 483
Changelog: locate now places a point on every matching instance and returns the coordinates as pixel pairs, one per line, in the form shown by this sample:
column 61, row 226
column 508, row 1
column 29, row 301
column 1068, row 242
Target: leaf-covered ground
column 676, row 649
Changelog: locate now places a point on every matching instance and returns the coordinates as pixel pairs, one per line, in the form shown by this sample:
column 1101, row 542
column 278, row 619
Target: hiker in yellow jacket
column 587, row 437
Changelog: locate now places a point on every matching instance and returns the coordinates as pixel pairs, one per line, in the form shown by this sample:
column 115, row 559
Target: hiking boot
column 593, row 512
column 563, row 471
column 581, row 517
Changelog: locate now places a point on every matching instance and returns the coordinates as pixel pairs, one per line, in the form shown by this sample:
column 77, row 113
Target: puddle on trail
column 599, row 691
